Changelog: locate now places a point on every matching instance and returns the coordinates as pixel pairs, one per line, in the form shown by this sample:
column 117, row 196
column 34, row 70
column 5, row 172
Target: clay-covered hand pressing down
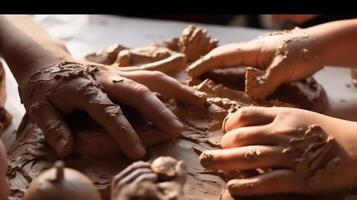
column 278, row 57
column 52, row 84
column 301, row 151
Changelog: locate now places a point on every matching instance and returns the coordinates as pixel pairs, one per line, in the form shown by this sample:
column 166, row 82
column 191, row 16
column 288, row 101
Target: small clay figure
column 60, row 183
column 142, row 180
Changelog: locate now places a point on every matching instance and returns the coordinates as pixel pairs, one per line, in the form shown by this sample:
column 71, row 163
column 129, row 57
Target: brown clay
column 60, row 183
column 139, row 180
column 31, row 155
column 165, row 167
column 195, row 43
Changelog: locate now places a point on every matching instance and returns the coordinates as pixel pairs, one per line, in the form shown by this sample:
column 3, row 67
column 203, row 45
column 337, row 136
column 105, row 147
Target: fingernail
column 202, row 98
column 224, row 122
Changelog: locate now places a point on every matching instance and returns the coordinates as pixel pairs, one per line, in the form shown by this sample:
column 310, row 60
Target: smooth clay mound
column 30, row 155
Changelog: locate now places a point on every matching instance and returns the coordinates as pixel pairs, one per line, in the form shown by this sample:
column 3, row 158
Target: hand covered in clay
column 55, row 91
column 300, row 151
column 279, row 57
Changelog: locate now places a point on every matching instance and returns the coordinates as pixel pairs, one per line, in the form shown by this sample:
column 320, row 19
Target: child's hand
column 308, row 153
column 284, row 56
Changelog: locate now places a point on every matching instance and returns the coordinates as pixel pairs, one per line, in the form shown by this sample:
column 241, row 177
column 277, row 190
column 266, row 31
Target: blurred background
column 268, row 21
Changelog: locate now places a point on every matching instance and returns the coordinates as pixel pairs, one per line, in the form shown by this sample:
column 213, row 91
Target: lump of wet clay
column 142, row 55
column 154, row 58
column 164, row 167
column 60, row 183
column 106, row 56
column 194, row 42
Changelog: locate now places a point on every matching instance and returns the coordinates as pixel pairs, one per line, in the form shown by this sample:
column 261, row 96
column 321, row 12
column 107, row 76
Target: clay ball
column 165, row 167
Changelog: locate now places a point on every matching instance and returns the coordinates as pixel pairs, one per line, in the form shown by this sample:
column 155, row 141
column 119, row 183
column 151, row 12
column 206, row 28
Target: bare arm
column 25, row 45
column 338, row 42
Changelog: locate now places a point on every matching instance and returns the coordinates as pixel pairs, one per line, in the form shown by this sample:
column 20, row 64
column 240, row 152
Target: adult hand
column 52, row 92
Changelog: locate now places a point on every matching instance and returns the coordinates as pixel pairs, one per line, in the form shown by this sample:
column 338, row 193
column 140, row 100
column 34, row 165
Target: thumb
column 260, row 84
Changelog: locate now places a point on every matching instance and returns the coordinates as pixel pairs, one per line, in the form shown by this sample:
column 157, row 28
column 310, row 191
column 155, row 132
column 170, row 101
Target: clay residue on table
column 30, row 155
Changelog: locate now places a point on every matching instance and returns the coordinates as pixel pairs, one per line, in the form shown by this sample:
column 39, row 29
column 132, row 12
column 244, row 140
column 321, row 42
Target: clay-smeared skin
column 52, row 79
column 141, row 180
column 88, row 95
column 285, row 56
column 153, row 58
column 304, row 158
column 106, row 56
column 202, row 129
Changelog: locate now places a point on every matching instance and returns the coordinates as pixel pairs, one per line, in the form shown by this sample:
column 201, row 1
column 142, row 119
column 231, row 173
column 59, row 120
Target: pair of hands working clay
column 306, row 152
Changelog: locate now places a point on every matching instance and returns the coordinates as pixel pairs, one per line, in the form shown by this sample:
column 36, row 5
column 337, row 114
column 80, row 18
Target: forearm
column 25, row 44
column 337, row 42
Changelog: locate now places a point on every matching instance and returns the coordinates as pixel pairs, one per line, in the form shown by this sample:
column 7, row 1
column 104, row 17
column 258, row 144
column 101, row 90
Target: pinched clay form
column 97, row 156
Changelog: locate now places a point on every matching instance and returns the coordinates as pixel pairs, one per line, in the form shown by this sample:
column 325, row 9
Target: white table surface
column 84, row 34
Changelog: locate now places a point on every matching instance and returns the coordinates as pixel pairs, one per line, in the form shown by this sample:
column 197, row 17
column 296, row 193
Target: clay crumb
column 206, row 159
column 252, row 155
column 165, row 167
